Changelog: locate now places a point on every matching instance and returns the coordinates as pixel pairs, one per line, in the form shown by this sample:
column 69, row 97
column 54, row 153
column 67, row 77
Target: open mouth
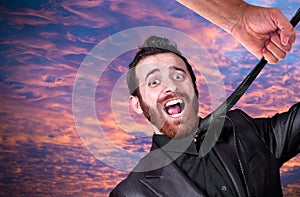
column 174, row 108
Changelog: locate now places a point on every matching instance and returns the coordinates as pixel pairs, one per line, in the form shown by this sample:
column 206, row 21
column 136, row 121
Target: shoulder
column 238, row 113
column 246, row 127
column 134, row 184
column 129, row 186
column 238, row 116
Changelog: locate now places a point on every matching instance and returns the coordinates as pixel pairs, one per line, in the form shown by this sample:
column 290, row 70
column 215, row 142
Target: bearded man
column 246, row 158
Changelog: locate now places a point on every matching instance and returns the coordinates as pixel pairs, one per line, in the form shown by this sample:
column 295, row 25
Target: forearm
column 224, row 13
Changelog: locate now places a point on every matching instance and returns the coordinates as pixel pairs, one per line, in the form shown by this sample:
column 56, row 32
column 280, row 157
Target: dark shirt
column 207, row 172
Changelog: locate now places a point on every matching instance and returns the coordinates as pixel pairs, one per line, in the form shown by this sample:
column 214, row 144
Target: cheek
column 188, row 88
column 150, row 95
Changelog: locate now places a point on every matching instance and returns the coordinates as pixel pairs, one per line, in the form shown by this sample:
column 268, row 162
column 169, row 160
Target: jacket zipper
column 238, row 154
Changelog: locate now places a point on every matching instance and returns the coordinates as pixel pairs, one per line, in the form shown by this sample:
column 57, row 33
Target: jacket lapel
column 167, row 180
column 170, row 181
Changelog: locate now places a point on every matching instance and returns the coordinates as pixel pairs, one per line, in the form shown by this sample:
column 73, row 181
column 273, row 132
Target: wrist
column 224, row 13
column 235, row 19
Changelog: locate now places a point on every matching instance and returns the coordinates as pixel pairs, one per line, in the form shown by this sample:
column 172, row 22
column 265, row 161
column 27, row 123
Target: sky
column 65, row 125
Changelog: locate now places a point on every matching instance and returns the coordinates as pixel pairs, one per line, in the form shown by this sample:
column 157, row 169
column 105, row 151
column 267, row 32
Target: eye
column 153, row 83
column 178, row 77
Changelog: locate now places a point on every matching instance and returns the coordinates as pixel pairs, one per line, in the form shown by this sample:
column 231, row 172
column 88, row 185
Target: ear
column 135, row 104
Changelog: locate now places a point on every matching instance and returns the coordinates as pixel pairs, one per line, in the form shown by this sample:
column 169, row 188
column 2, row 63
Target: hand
column 265, row 32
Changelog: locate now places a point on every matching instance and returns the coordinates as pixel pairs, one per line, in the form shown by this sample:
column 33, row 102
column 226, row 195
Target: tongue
column 173, row 110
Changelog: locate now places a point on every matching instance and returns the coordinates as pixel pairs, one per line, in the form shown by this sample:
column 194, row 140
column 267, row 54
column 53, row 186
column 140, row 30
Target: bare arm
column 224, row 13
column 263, row 31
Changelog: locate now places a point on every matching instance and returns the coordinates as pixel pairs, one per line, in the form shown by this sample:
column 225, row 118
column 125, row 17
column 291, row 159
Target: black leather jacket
column 251, row 150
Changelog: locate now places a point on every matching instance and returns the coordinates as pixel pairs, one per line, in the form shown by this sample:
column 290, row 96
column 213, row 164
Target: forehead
column 162, row 62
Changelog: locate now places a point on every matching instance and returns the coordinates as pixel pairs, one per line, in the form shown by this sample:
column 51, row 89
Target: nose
column 169, row 86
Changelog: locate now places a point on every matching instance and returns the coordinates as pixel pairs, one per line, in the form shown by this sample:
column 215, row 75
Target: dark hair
column 155, row 45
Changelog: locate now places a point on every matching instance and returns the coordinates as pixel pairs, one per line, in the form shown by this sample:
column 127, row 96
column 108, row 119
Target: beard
column 173, row 128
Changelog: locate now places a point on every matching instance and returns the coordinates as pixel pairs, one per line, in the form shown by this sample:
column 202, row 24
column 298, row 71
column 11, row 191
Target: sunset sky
column 65, row 125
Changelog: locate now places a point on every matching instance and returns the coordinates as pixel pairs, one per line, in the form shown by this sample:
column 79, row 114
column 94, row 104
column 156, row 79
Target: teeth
column 173, row 102
column 176, row 115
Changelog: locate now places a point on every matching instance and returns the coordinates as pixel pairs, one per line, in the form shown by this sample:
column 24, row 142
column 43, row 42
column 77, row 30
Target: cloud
column 43, row 47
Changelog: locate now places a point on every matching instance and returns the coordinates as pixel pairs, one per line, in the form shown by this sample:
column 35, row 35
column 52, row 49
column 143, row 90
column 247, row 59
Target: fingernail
column 286, row 40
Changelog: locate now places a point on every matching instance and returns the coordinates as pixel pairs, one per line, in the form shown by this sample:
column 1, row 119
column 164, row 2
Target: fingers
column 280, row 42
column 272, row 54
column 276, row 40
column 275, row 50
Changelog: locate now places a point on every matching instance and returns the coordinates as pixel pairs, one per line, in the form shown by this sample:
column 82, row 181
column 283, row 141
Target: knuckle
column 282, row 56
column 288, row 48
column 271, row 59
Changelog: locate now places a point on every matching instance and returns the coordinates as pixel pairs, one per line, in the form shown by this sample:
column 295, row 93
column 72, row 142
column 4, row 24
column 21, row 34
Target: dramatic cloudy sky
column 65, row 125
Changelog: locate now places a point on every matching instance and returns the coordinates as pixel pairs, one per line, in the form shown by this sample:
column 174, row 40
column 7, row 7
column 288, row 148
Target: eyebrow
column 177, row 68
column 157, row 70
column 151, row 72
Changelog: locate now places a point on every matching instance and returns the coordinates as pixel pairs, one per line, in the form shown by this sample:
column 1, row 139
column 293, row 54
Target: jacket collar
column 167, row 180
column 184, row 145
column 162, row 180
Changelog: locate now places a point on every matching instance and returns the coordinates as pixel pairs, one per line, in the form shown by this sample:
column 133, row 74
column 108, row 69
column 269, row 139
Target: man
column 246, row 159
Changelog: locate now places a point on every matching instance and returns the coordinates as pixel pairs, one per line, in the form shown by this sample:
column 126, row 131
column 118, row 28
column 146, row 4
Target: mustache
column 173, row 95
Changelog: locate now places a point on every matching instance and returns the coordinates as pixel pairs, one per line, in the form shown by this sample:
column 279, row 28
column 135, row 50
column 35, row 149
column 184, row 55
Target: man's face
column 168, row 97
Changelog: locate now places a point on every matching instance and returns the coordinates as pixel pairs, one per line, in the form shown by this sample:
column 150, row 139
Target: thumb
column 285, row 28
column 286, row 36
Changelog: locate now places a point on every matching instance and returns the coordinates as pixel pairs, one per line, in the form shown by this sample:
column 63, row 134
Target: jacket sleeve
column 115, row 193
column 281, row 133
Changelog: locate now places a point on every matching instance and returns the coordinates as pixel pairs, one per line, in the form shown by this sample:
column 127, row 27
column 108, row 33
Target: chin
column 178, row 131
